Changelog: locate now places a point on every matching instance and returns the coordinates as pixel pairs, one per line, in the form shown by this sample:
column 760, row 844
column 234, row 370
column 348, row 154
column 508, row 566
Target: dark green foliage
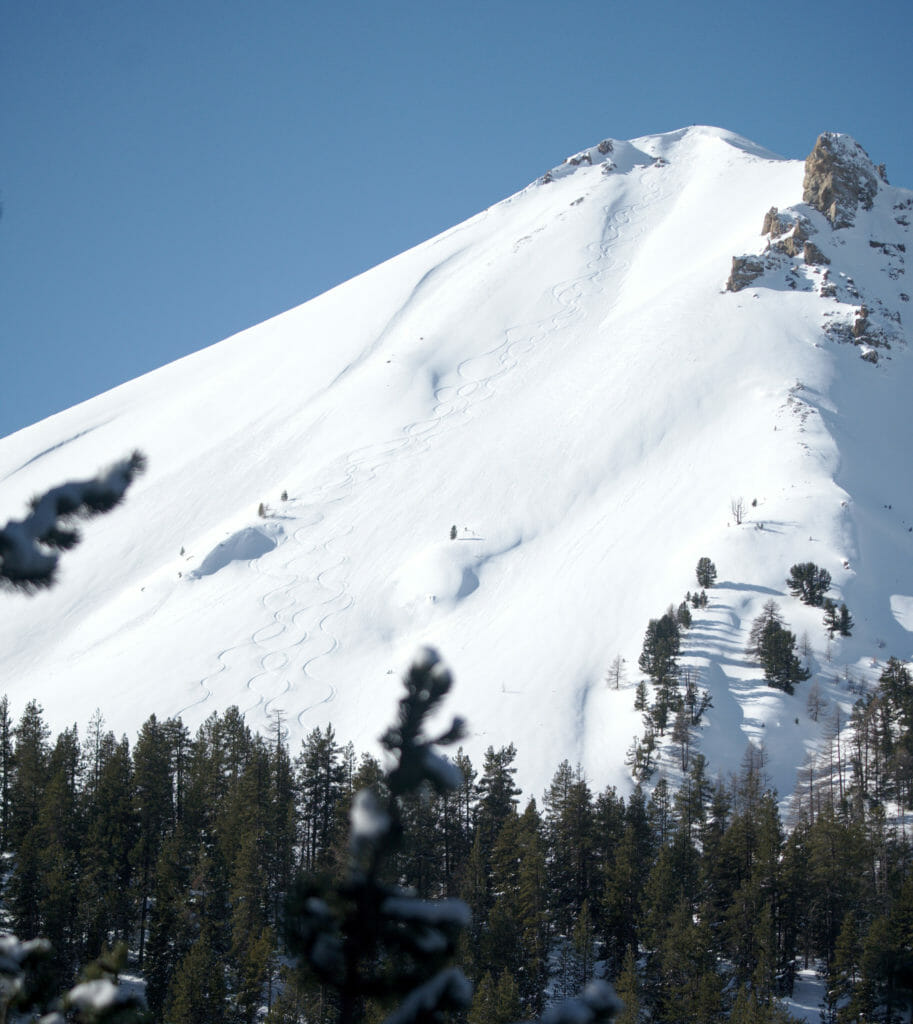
column 198, row 994
column 720, row 902
column 29, row 548
column 363, row 937
column 453, row 532
column 774, row 646
column 706, row 573
column 661, row 645
column 809, row 583
column 837, row 619
column 683, row 615
column 781, row 665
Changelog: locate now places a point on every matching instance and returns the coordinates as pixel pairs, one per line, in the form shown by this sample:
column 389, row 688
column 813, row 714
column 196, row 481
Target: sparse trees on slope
column 837, row 619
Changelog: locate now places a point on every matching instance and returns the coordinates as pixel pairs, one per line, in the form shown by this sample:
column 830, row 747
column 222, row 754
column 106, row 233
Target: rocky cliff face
column 841, row 185
column 839, row 178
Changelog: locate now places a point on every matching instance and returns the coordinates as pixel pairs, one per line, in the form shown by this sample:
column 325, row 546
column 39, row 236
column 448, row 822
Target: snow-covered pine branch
column 30, row 547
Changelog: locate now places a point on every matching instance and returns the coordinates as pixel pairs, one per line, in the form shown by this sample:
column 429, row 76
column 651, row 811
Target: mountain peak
column 562, row 378
column 839, row 178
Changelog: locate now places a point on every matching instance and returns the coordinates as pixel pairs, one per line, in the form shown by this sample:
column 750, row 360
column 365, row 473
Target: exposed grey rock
column 839, row 178
column 605, row 146
column 745, row 270
column 813, row 256
column 793, row 244
column 861, row 323
column 773, row 224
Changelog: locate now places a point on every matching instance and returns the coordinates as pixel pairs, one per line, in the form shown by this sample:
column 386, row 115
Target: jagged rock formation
column 745, row 270
column 813, row 256
column 839, row 177
column 840, row 181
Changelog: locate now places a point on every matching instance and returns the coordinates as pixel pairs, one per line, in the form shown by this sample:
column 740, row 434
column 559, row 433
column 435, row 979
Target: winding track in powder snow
column 298, row 610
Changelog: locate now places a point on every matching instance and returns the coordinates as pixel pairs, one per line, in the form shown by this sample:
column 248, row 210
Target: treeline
column 698, row 902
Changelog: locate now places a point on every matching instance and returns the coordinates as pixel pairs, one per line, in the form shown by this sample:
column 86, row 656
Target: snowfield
column 565, row 379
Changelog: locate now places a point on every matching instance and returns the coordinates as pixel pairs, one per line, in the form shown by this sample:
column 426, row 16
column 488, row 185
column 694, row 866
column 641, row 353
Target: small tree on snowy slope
column 809, row 583
column 706, row 572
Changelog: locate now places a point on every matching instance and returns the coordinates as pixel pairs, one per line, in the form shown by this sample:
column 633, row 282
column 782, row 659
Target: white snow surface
column 563, row 378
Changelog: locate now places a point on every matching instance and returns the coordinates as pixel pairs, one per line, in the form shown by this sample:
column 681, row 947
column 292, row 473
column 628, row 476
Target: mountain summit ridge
column 566, row 379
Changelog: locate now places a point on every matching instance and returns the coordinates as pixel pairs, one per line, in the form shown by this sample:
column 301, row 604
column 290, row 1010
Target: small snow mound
column 902, row 610
column 439, row 573
column 251, row 542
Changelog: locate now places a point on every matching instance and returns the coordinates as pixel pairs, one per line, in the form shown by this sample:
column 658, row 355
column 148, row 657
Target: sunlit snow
column 564, row 379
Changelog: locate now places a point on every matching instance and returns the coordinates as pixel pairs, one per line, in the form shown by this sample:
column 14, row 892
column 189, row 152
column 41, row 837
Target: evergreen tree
column 153, row 808
column 198, row 994
column 171, row 925
column 106, row 901
column 770, row 616
column 706, row 573
column 627, row 985
column 809, row 583
column 31, row 757
column 569, row 834
column 320, row 785
column 782, row 668
column 7, row 772
column 661, row 645
column 348, row 933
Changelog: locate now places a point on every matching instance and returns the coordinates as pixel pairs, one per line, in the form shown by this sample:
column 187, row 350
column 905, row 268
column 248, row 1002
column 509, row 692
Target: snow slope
column 564, row 378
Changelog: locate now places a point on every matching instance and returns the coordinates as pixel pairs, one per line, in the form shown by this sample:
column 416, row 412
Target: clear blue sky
column 174, row 172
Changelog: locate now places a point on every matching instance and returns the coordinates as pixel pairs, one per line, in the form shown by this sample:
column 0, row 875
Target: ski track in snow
column 280, row 641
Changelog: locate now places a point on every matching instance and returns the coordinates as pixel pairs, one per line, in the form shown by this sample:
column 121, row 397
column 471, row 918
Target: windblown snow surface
column 566, row 380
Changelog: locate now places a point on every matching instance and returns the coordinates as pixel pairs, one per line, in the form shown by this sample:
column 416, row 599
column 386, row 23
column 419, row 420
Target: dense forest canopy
column 700, row 901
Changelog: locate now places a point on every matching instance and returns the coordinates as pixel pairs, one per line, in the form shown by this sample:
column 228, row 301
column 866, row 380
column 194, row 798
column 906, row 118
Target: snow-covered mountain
column 582, row 379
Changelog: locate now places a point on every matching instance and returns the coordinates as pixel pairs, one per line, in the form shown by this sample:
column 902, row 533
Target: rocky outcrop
column 793, row 244
column 839, row 178
column 774, row 224
column 861, row 323
column 745, row 270
column 813, row 256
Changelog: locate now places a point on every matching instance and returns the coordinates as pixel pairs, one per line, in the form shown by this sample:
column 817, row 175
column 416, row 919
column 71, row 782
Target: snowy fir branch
column 30, row 547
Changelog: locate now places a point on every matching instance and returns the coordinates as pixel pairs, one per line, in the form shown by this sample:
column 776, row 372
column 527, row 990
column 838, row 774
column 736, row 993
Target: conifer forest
column 699, row 903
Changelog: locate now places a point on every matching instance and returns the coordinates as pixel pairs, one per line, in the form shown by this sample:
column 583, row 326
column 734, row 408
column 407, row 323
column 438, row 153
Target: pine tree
column 198, row 994
column 706, row 573
column 776, row 647
column 568, row 815
column 320, row 786
column 153, row 808
column 628, row 987
column 809, row 583
column 106, row 901
column 7, row 772
column 31, row 757
column 347, row 933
